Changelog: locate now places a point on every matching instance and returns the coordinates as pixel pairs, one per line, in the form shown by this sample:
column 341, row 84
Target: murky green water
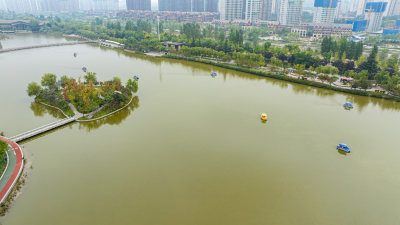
column 192, row 150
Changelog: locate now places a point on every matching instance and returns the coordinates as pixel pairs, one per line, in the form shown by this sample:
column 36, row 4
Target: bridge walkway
column 42, row 129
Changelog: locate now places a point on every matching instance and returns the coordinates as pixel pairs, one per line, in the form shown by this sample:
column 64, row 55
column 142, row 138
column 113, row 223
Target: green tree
column 382, row 77
column 371, row 65
column 33, row 89
column 34, row 24
column 129, row 25
column 393, row 83
column 266, row 46
column 359, row 50
column 117, row 25
column 143, row 26
column 49, row 80
column 132, row 85
column 362, row 80
column 236, row 36
column 332, row 79
column 98, row 21
column 326, row 45
column 117, row 80
column 90, row 77
column 63, row 81
column 192, row 31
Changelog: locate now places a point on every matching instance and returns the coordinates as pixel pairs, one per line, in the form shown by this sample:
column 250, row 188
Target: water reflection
column 362, row 102
column 279, row 83
column 342, row 152
column 114, row 119
column 40, row 110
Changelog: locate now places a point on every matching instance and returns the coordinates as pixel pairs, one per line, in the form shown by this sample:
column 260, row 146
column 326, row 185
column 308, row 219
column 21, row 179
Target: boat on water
column 264, row 117
column 348, row 105
column 75, row 54
column 84, row 69
column 213, row 74
column 136, row 77
column 343, row 147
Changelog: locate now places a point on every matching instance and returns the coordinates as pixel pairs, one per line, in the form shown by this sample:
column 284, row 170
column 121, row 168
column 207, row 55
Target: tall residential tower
column 144, row 5
column 253, row 8
column 230, row 9
column 175, row 5
column 266, row 10
column 290, row 12
column 324, row 11
column 374, row 13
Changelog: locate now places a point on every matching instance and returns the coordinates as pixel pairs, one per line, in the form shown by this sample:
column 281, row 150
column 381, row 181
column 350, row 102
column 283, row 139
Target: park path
column 13, row 170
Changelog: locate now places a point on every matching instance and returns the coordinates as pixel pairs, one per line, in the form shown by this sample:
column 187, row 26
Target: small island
column 86, row 100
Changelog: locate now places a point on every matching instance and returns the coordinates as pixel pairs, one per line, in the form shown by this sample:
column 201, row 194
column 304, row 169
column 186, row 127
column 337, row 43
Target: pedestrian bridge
column 42, row 129
column 47, row 45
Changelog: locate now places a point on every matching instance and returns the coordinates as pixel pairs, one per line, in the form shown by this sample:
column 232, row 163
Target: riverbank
column 286, row 78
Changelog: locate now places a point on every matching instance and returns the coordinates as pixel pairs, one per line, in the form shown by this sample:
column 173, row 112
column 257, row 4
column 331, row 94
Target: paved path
column 13, row 170
column 77, row 114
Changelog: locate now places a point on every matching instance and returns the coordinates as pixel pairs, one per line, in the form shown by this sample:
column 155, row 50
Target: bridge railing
column 38, row 128
column 42, row 129
column 46, row 45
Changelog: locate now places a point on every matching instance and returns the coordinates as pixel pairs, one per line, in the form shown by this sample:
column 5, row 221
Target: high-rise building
column 211, row 5
column 105, row 5
column 188, row 5
column 290, row 12
column 138, row 4
column 324, row 11
column 197, row 5
column 60, row 5
column 86, row 5
column 394, row 8
column 374, row 13
column 204, row 5
column 253, row 8
column 361, row 7
column 266, row 10
column 20, row 5
column 230, row 9
column 175, row 5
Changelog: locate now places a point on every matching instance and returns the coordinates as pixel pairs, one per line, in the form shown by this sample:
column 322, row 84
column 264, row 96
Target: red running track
column 17, row 169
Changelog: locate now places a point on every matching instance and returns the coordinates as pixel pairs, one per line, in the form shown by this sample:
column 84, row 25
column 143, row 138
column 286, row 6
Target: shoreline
column 285, row 78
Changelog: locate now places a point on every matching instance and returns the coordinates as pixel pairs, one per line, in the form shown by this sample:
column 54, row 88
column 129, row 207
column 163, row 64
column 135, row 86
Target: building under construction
column 374, row 13
column 324, row 11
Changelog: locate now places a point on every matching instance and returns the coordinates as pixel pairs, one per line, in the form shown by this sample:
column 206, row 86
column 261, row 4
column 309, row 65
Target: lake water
column 191, row 149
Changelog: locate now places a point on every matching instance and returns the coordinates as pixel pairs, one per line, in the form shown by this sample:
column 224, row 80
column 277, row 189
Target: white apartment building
column 253, row 8
column 230, row 9
column 324, row 15
column 290, row 12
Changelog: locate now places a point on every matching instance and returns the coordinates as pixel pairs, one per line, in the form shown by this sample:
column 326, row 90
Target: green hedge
column 289, row 79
